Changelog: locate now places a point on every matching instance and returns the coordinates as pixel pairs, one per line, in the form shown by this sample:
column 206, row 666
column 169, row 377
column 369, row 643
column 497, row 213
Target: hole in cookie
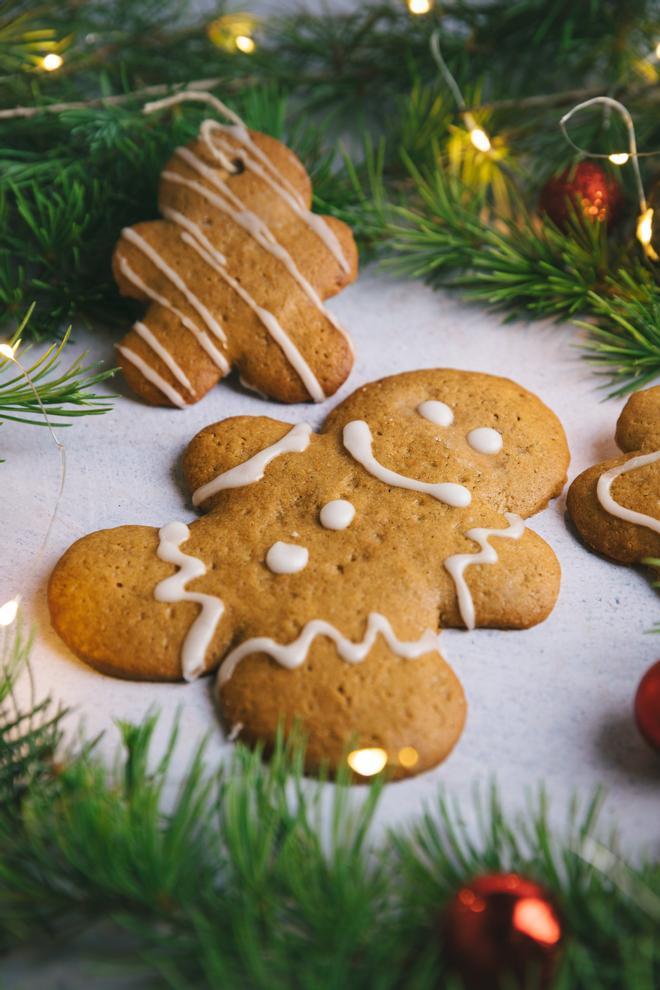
column 237, row 166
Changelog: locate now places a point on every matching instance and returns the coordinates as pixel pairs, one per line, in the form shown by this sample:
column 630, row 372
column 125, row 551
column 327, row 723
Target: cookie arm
column 517, row 591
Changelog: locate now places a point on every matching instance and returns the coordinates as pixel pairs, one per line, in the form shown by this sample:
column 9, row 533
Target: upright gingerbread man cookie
column 235, row 275
column 616, row 505
column 325, row 564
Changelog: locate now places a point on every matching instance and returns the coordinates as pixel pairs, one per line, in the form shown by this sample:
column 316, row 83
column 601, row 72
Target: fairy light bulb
column 657, row 50
column 9, row 611
column 645, row 233
column 419, row 6
column 480, row 139
column 8, row 350
column 367, row 762
column 52, row 62
column 619, row 157
column 245, row 43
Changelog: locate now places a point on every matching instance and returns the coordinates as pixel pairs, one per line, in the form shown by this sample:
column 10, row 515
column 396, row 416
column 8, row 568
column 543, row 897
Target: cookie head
column 615, row 505
column 235, row 275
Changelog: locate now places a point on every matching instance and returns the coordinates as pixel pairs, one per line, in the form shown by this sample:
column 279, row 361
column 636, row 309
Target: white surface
column 551, row 705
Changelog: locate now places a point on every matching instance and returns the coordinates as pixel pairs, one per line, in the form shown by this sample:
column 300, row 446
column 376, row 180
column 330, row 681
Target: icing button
column 337, row 514
column 286, row 558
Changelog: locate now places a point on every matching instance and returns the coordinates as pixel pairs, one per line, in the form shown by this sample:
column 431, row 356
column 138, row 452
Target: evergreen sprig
column 246, row 875
column 411, row 184
column 63, row 394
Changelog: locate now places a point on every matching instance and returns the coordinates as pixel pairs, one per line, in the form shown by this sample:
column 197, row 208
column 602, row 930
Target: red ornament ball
column 647, row 706
column 587, row 190
column 503, row 931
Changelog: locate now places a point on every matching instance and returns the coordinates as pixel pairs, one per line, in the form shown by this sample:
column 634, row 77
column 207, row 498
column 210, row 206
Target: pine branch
column 245, row 875
column 57, row 392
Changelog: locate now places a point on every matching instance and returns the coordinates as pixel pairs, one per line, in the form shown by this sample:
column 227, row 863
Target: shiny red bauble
column 647, row 706
column 587, row 190
column 503, row 931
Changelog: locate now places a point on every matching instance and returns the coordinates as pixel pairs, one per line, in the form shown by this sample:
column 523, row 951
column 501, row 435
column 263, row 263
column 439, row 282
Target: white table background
column 551, row 706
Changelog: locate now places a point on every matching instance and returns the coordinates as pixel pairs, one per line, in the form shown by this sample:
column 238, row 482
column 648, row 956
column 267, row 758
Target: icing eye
column 338, row 514
column 436, row 412
column 237, row 166
column 485, row 440
column 286, row 558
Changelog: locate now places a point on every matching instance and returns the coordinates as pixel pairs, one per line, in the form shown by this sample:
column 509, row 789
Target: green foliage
column 22, row 399
column 247, row 875
column 359, row 97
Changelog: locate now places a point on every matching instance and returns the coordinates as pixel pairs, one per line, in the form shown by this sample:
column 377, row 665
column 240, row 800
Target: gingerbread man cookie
column 325, row 564
column 616, row 505
column 235, row 274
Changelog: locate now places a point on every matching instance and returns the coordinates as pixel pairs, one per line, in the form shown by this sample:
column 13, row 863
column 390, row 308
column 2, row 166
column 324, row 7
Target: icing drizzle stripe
column 358, row 441
column 610, row 504
column 293, row 442
column 249, row 221
column 152, row 340
column 152, row 376
column 172, row 276
column 459, row 562
column 200, row 336
column 294, row 654
column 173, row 589
column 194, row 236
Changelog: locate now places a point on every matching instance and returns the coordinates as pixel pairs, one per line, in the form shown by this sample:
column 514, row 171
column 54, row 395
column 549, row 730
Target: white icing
column 195, row 238
column 609, row 503
column 173, row 589
column 172, row 276
column 436, row 412
column 152, row 376
column 286, row 558
column 293, row 442
column 459, row 562
column 234, row 207
column 142, row 330
column 316, row 223
column 200, row 336
column 294, row 654
column 485, row 440
column 338, row 514
column 358, row 442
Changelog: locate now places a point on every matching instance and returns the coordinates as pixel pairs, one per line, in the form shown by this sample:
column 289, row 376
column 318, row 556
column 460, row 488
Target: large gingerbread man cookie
column 235, row 275
column 325, row 564
column 616, row 505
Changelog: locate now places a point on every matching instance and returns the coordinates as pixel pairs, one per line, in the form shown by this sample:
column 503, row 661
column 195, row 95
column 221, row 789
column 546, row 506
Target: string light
column 9, row 609
column 51, row 62
column 644, row 230
column 408, row 757
column 234, row 33
column 367, row 762
column 245, row 44
column 419, row 6
column 478, row 135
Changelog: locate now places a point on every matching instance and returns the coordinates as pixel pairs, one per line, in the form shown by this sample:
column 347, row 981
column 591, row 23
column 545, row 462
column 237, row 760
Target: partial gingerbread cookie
column 325, row 564
column 235, row 275
column 616, row 505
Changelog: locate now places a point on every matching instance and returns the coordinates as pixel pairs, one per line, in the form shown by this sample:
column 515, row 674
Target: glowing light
column 645, row 233
column 9, row 611
column 408, row 756
column 535, row 918
column 367, row 762
column 419, row 6
column 51, row 62
column 480, row 139
column 245, row 43
column 657, row 50
column 619, row 158
column 8, row 350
